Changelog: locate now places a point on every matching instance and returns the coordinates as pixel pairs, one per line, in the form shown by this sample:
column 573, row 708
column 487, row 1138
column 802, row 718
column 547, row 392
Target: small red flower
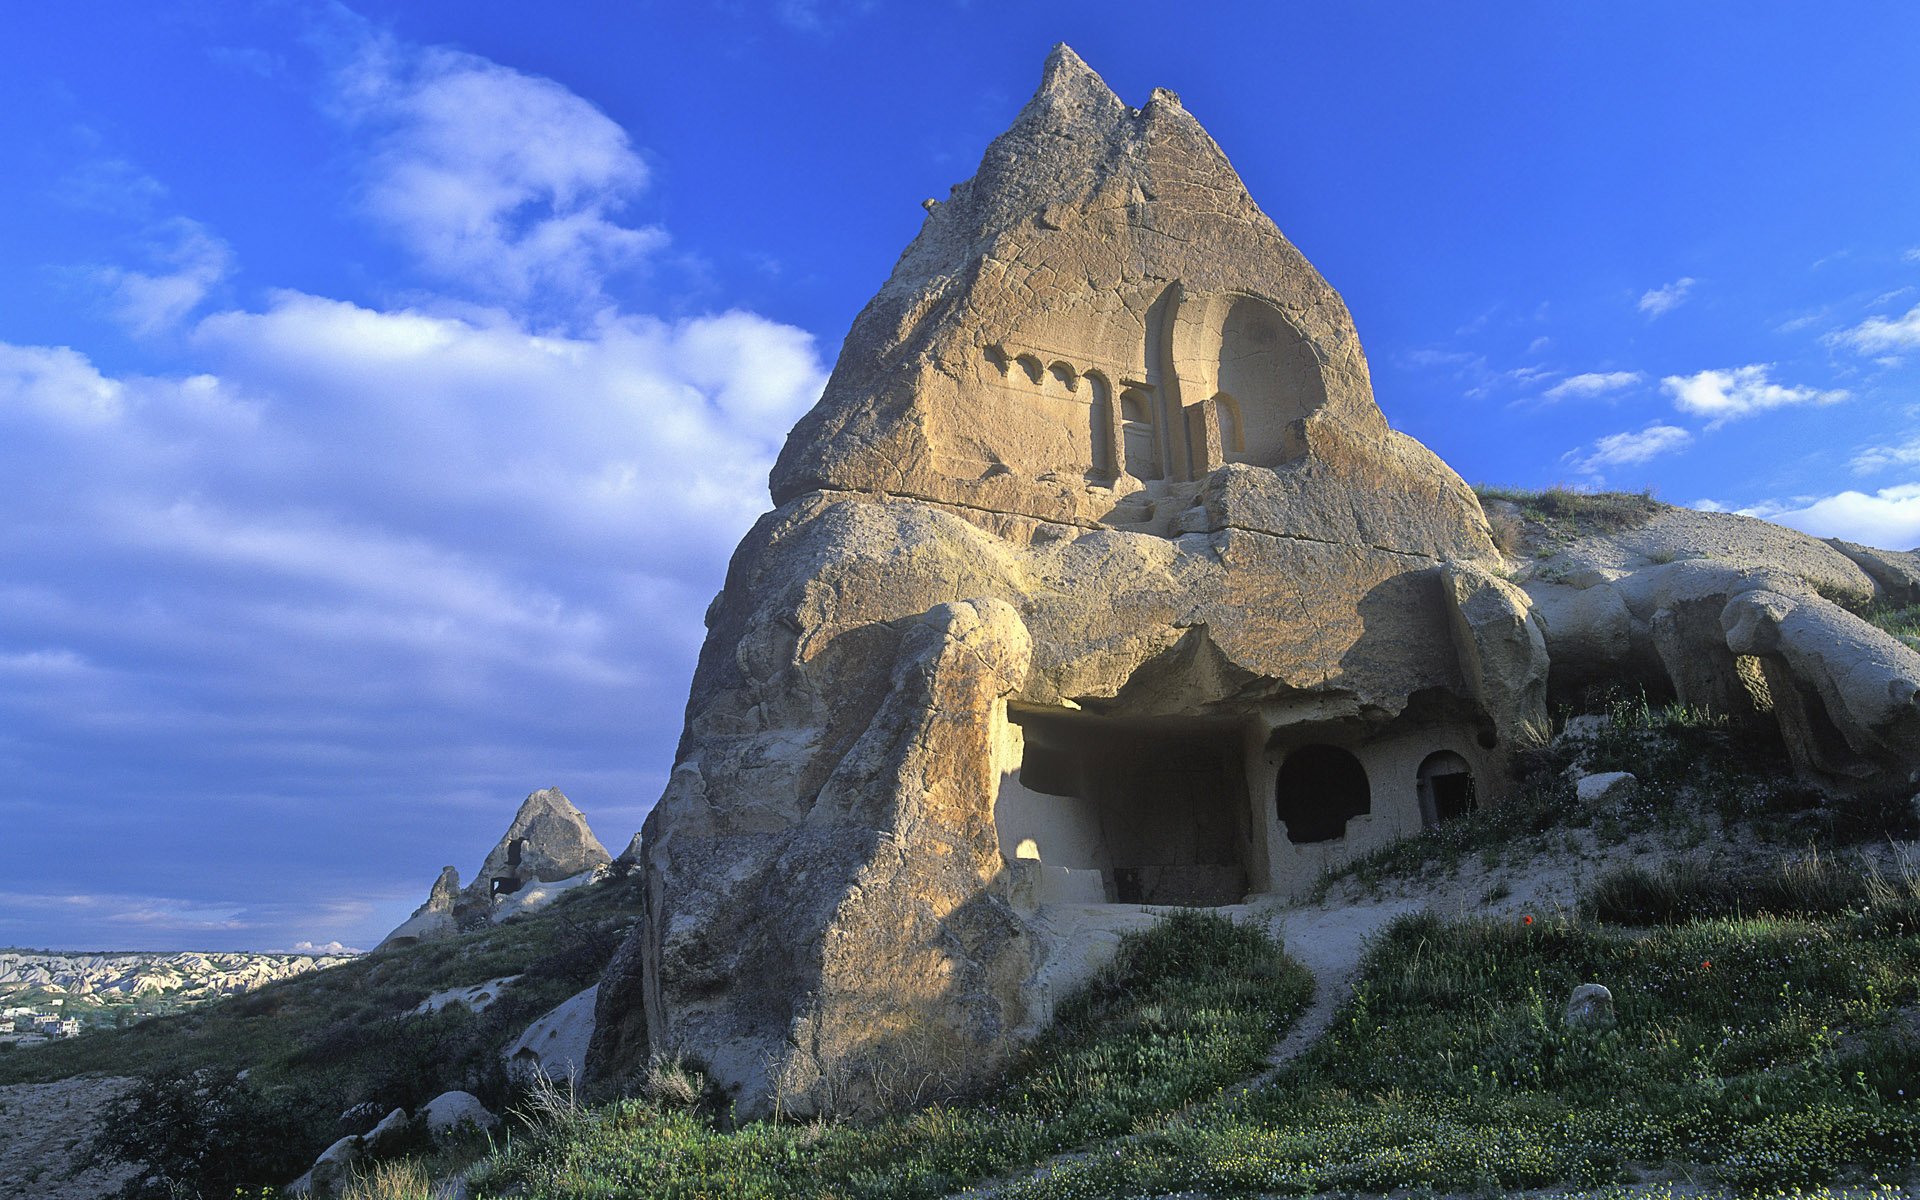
column 1706, row 964
column 1527, row 920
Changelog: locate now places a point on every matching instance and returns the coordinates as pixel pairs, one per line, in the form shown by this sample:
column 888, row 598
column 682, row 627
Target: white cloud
column 1876, row 334
column 388, row 566
column 1666, row 298
column 149, row 303
column 1878, row 458
column 1723, row 396
column 1912, row 254
column 1889, row 517
column 1630, row 448
column 56, row 382
column 1593, row 383
column 495, row 179
column 324, row 948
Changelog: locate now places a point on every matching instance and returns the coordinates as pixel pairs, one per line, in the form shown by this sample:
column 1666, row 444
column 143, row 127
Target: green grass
column 1902, row 622
column 1186, row 1009
column 1750, row 1053
column 1572, row 511
column 1696, row 775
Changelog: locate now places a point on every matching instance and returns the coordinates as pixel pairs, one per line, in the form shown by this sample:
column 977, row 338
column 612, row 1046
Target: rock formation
column 1097, row 578
column 549, row 842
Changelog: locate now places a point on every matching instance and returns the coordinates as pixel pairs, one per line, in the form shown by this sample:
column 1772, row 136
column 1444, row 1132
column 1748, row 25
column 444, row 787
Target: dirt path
column 40, row 1125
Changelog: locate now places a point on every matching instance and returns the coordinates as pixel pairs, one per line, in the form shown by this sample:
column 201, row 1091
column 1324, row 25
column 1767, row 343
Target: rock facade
column 1096, row 578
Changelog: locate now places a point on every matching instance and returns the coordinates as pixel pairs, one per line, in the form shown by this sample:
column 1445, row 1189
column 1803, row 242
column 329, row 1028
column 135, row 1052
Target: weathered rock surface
column 549, row 840
column 1096, row 576
column 438, row 917
column 555, row 1045
column 448, row 1112
column 1606, row 788
column 332, row 1171
column 1589, row 1007
column 547, row 849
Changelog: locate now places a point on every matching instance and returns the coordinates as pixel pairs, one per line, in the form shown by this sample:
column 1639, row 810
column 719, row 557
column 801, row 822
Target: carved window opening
column 1140, row 810
column 1445, row 785
column 1137, row 441
column 1320, row 789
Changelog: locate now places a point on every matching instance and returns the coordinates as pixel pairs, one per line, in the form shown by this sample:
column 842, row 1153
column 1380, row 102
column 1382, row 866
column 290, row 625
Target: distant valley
column 46, row 995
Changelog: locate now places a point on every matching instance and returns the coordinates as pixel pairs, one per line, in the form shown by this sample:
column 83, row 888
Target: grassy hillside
column 1767, row 1031
column 321, row 1043
column 1185, row 1010
column 1764, row 959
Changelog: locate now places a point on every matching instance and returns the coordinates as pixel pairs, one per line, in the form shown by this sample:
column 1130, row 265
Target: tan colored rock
column 1097, row 577
column 1895, row 573
column 1503, row 653
column 438, row 917
column 549, row 840
column 547, row 849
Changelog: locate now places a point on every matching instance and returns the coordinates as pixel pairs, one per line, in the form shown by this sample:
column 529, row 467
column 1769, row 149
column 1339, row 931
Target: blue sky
column 384, row 387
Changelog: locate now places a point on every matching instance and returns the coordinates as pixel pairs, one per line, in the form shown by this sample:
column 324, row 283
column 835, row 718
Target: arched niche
column 1103, row 429
column 1271, row 373
column 1139, row 442
column 1319, row 790
column 1445, row 786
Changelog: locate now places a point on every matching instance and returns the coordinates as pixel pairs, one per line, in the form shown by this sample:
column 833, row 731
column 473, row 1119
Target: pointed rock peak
column 1068, row 83
column 1065, row 69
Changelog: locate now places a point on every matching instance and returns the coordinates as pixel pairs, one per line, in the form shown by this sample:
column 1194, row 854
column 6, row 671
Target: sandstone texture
column 1097, row 580
column 1748, row 620
column 1094, row 527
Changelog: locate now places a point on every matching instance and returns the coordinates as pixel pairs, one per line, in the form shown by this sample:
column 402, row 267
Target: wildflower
column 1527, row 919
column 1706, row 964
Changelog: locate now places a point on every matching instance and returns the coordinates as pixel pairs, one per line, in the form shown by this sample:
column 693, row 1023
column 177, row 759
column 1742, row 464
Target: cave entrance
column 1319, row 790
column 1445, row 784
column 1129, row 810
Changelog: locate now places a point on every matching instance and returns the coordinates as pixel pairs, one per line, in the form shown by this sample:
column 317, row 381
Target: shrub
column 200, row 1133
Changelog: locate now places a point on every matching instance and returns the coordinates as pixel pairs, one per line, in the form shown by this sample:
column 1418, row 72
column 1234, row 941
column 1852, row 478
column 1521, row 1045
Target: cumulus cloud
column 57, row 384
column 1592, row 383
column 1629, row 448
column 1877, row 334
column 1723, row 396
column 325, row 948
column 348, row 577
column 1665, row 298
column 368, row 550
column 1888, row 517
column 498, row 180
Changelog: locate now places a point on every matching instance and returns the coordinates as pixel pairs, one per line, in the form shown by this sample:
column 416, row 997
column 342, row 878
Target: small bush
column 402, row 1179
column 201, row 1133
column 1569, row 510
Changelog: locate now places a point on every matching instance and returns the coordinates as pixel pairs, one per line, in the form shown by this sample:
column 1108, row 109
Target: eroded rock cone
column 548, row 840
column 1097, row 579
column 1095, row 525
